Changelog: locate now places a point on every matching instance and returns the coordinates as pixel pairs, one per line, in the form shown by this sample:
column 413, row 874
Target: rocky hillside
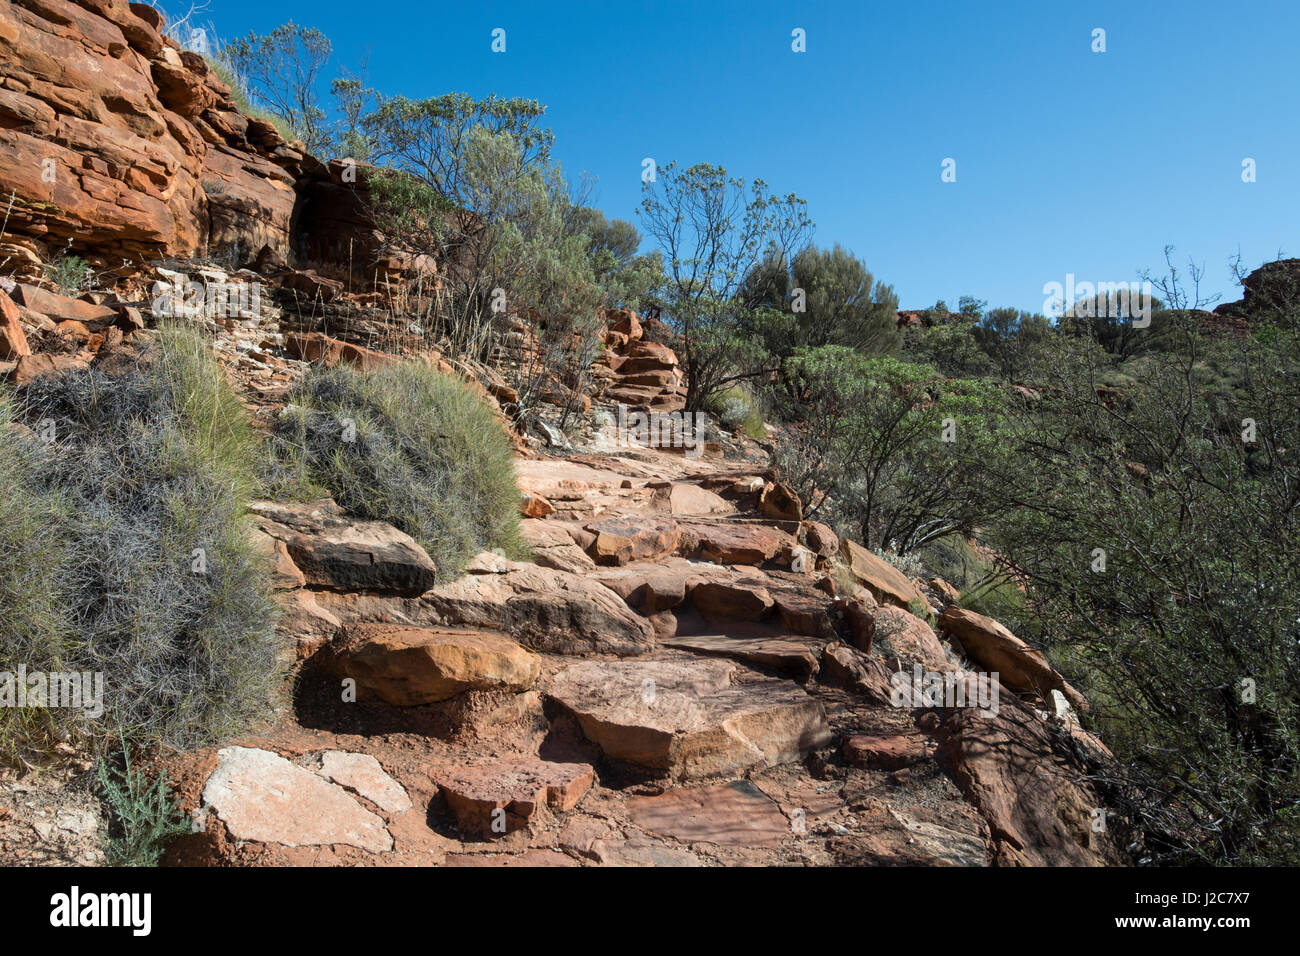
column 686, row 672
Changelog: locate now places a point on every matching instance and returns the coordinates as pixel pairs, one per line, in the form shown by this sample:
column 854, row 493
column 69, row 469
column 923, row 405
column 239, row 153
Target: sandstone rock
column 32, row 367
column 680, row 498
column 408, row 666
column 799, row 660
column 62, row 308
column 362, row 774
column 261, row 796
column 779, row 501
column 740, row 601
column 888, row 752
column 545, row 609
column 908, row 638
column 820, row 539
column 625, row 322
column 494, row 799
column 284, row 574
column 842, row 666
column 535, row 506
column 651, row 587
column 740, row 543
column 305, row 622
column 344, row 555
column 686, row 719
column 805, row 611
column 620, row 540
column 323, row 350
column 728, row 814
column 947, row 593
column 861, row 618
column 1037, row 802
column 13, row 341
column 882, row 579
column 994, row 648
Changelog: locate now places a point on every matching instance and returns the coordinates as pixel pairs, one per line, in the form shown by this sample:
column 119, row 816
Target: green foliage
column 428, row 456
column 824, row 297
column 898, row 452
column 627, row 279
column 143, row 815
column 280, row 71
column 1197, row 603
column 70, row 274
column 714, row 230
column 736, row 407
column 152, row 579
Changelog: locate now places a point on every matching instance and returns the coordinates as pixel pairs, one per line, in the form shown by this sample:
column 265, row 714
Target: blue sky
column 1067, row 161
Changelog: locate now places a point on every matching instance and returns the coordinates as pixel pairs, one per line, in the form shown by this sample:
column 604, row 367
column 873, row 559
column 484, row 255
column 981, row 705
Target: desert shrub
column 736, row 407
column 888, row 451
column 143, row 813
column 35, row 605
column 404, row 444
column 161, row 590
column 1160, row 548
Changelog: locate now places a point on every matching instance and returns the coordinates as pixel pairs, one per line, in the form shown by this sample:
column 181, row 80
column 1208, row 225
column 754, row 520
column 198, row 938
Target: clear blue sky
column 1067, row 160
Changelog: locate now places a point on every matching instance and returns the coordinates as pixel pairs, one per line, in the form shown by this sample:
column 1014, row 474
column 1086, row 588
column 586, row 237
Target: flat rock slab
column 408, row 666
column 731, row 814
column 798, row 659
column 362, row 774
column 262, row 797
column 621, row 540
column 679, row 498
column 686, row 718
column 341, row 554
column 890, row 752
column 740, row 543
column 529, row 859
column 886, row 583
column 546, row 609
column 498, row 798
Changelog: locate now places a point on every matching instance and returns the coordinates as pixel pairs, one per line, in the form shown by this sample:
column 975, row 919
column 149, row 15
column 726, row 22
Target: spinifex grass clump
column 404, row 444
column 142, row 569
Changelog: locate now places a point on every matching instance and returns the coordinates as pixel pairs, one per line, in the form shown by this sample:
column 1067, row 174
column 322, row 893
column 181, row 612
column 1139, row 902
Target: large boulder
column 886, row 583
column 341, row 554
column 544, row 608
column 994, row 648
column 686, row 719
column 621, row 540
column 408, row 666
column 1039, row 804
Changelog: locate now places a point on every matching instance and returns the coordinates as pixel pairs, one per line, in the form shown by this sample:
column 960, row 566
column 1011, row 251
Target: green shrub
column 240, row 98
column 149, row 576
column 35, row 619
column 404, row 444
column 143, row 814
column 985, row 588
column 735, row 407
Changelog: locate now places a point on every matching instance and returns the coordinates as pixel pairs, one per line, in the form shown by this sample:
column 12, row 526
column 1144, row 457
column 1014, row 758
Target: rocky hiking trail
column 673, row 680
column 685, row 673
